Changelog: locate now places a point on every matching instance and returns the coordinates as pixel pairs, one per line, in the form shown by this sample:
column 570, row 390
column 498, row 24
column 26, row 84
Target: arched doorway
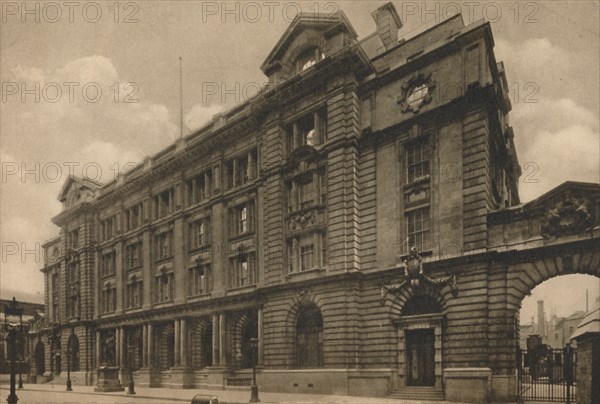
column 202, row 344
column 419, row 326
column 309, row 338
column 546, row 354
column 55, row 356
column 40, row 358
column 73, row 352
column 248, row 352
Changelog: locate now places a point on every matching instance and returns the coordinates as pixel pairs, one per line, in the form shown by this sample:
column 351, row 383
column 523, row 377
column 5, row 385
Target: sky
column 91, row 88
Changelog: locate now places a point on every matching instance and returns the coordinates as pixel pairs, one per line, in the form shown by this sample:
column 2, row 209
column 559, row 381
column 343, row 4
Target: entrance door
column 420, row 351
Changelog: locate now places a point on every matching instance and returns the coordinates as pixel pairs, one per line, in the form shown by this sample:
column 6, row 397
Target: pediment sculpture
column 415, row 277
column 569, row 216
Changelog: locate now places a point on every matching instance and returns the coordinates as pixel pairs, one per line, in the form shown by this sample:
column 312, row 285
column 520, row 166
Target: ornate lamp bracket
column 414, row 277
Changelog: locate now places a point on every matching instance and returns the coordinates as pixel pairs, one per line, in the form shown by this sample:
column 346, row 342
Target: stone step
column 419, row 393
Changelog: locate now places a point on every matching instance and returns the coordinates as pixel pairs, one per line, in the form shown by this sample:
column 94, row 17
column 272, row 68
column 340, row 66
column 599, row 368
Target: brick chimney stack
column 541, row 318
column 388, row 23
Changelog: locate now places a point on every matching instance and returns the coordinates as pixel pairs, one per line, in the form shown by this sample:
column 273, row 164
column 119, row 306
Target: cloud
column 40, row 135
column 200, row 114
column 571, row 153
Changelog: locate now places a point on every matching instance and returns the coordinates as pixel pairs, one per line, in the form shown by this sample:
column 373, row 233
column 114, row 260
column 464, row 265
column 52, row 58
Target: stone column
column 144, row 352
column 222, row 341
column 215, row 340
column 98, row 358
column 150, row 352
column 118, row 346
column 261, row 344
column 122, row 348
column 176, row 342
column 184, row 343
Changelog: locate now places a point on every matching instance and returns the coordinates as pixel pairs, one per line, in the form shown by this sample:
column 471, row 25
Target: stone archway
column 246, row 328
column 548, row 262
column 201, row 334
column 419, row 328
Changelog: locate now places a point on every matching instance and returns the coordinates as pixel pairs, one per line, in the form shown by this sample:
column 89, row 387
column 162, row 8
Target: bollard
column 203, row 399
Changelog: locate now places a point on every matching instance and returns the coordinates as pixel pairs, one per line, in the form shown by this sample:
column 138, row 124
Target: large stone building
column 289, row 219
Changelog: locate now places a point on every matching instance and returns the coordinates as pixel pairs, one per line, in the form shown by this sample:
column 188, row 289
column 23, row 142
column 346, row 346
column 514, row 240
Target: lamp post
column 12, row 309
column 131, row 389
column 69, row 358
column 21, row 349
column 254, row 387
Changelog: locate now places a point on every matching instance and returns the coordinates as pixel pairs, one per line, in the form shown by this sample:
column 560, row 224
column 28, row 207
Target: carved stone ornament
column 414, row 277
column 300, row 221
column 566, row 217
column 416, row 93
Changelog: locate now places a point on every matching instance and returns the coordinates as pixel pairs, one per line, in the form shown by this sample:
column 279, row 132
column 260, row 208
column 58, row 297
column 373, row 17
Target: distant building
column 32, row 314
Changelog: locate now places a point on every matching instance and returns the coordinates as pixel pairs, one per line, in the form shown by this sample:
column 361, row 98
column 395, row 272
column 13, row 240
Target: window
column 55, row 297
column 308, row 58
column 309, row 338
column 165, row 287
column 417, row 161
column 241, row 169
column 417, row 222
column 200, row 233
column 133, row 255
column 307, row 252
column 108, row 298
column 107, row 227
column 134, row 217
column 73, row 239
column 200, row 280
column 163, row 245
column 134, row 293
column 309, row 130
column 416, row 95
column 243, row 270
column 109, row 264
column 199, row 188
column 242, row 219
column 307, row 255
column 164, row 203
column 308, row 190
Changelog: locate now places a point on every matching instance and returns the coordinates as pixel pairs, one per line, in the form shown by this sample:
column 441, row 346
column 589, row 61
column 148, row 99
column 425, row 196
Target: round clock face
column 416, row 96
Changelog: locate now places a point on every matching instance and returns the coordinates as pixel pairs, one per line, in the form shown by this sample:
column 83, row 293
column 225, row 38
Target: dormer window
column 308, row 58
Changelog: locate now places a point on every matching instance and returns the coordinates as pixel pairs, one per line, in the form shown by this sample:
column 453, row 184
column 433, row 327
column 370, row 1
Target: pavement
column 55, row 394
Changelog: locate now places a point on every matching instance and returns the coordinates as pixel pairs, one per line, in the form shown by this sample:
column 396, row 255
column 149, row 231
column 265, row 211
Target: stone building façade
column 287, row 218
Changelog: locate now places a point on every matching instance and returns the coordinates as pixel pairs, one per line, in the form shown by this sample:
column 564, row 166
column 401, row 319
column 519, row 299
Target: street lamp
column 254, row 387
column 131, row 389
column 69, row 359
column 12, row 309
column 21, row 348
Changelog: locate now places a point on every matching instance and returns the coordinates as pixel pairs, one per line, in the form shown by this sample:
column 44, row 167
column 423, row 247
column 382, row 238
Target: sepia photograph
column 300, row 202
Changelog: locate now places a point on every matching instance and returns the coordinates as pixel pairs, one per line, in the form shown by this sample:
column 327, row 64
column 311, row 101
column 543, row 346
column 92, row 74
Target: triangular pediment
column 77, row 189
column 306, row 30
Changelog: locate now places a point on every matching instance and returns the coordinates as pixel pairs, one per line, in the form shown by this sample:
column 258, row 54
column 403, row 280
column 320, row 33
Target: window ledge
column 163, row 260
column 420, row 181
column 307, row 274
column 241, row 289
column 204, row 247
column 199, row 297
column 166, row 303
column 238, row 237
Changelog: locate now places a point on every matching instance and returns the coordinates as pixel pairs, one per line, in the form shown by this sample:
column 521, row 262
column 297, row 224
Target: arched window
column 249, row 350
column 309, row 338
column 207, row 353
column 308, row 58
